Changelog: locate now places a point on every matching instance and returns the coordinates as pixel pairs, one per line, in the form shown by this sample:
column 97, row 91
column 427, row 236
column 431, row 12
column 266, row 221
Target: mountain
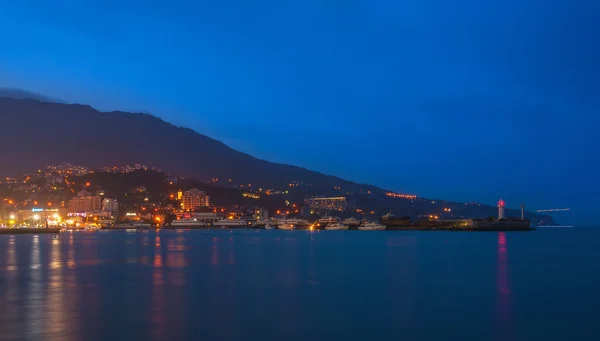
column 35, row 134
column 23, row 94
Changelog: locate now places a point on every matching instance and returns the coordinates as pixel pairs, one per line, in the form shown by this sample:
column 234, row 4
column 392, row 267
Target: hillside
column 35, row 134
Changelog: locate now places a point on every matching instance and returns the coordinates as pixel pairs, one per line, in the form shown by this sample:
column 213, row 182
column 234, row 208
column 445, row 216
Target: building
column 306, row 212
column 205, row 217
column 261, row 214
column 110, row 205
column 88, row 203
column 36, row 216
column 194, row 198
column 331, row 204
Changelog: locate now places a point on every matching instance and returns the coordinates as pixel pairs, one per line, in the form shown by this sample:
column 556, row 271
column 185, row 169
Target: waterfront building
column 89, row 203
column 193, row 199
column 37, row 216
column 204, row 217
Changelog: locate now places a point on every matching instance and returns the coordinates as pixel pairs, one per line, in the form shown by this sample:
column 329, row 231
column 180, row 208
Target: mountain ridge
column 35, row 134
column 16, row 93
column 159, row 135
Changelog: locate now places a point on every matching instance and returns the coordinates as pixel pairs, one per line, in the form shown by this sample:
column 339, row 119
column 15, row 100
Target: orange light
column 35, row 202
column 157, row 218
column 49, row 204
column 87, row 184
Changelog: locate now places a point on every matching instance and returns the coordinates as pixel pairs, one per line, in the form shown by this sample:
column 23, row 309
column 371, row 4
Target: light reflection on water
column 273, row 285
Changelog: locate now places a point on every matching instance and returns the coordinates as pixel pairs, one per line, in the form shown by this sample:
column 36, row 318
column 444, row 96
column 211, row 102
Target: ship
column 352, row 223
column 232, row 223
column 298, row 224
column 336, row 227
column 187, row 223
column 371, row 226
column 323, row 222
column 393, row 222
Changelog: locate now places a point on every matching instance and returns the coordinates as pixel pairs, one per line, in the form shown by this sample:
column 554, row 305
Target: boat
column 323, row 222
column 336, row 227
column 189, row 223
column 232, row 223
column 269, row 226
column 260, row 224
column 371, row 226
column 299, row 224
column 352, row 223
column 288, row 227
column 393, row 222
column 132, row 225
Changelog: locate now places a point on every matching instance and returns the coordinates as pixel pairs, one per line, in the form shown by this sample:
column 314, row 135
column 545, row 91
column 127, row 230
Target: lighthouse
column 522, row 212
column 500, row 209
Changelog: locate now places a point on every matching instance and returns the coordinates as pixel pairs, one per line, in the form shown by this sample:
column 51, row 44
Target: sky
column 463, row 100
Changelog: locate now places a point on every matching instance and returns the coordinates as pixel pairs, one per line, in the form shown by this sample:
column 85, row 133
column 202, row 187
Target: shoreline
column 41, row 230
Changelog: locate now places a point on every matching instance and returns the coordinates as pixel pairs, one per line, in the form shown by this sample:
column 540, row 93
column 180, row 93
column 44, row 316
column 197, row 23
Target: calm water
column 298, row 285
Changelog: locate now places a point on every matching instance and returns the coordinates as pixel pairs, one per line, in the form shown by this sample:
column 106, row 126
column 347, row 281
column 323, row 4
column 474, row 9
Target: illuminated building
column 334, row 203
column 85, row 204
column 194, row 198
column 205, row 217
column 400, row 195
column 251, row 195
column 261, row 214
column 110, row 205
column 39, row 216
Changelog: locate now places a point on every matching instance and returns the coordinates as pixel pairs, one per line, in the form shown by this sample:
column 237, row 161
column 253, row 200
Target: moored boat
column 232, row 223
column 336, row 227
column 288, row 227
column 187, row 223
column 371, row 226
column 352, row 223
column 325, row 221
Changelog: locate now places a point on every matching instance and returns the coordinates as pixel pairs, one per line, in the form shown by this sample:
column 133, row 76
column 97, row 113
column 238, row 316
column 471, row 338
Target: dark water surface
column 298, row 285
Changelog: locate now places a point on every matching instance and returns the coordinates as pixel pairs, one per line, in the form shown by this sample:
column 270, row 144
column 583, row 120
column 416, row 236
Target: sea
column 301, row 285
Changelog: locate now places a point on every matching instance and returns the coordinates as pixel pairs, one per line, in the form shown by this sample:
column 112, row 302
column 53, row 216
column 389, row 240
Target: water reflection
column 34, row 300
column 56, row 319
column 71, row 253
column 11, row 255
column 214, row 251
column 10, row 307
column 158, row 296
column 157, row 263
column 176, row 258
column 231, row 255
column 504, row 322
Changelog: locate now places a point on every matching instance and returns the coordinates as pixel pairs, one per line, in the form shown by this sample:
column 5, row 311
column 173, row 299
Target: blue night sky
column 465, row 100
